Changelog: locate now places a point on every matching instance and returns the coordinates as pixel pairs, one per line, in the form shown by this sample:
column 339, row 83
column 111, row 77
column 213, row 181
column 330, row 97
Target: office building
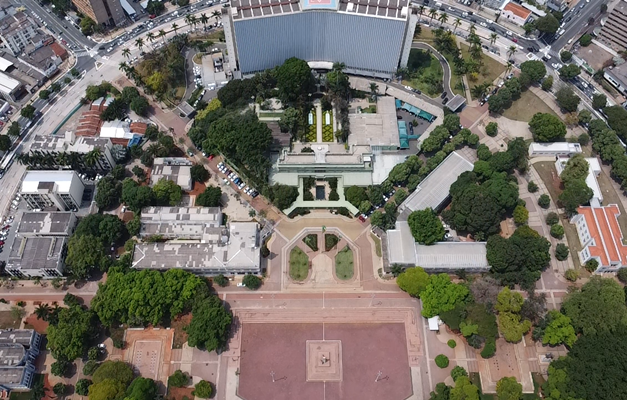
column 10, row 88
column 70, row 151
column 371, row 38
column 19, row 349
column 175, row 169
column 103, row 12
column 40, row 244
column 601, row 237
column 614, row 30
column 52, row 190
column 197, row 241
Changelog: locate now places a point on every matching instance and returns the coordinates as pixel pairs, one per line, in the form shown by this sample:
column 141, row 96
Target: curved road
column 446, row 79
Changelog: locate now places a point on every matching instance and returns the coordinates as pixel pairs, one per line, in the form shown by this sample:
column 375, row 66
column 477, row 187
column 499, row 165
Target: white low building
column 553, row 149
column 515, row 13
column 52, row 190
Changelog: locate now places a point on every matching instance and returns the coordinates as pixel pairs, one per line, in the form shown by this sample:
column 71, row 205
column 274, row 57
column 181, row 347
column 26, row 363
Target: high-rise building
column 16, row 31
column 52, row 190
column 104, row 12
column 615, row 27
column 372, row 38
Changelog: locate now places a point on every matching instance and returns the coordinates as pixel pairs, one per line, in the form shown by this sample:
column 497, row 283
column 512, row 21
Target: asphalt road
column 578, row 22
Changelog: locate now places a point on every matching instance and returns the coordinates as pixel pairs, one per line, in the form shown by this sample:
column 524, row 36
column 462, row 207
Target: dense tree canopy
column 115, row 370
column 210, row 197
column 294, row 80
column 109, row 192
column 547, row 24
column 617, row 120
column 567, row 99
column 210, row 324
column 85, row 254
column 441, row 295
column 135, row 196
column 167, row 192
column 108, row 389
column 534, row 69
column 413, row 281
column 282, row 196
column 547, row 127
column 70, row 336
column 508, row 389
column 519, row 259
column 426, row 227
column 142, row 389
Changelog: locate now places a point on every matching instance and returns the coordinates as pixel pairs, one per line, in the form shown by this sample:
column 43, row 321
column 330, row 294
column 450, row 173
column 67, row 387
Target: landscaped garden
column 344, row 268
column 327, row 128
column 311, row 240
column 330, row 241
column 312, row 134
column 299, row 264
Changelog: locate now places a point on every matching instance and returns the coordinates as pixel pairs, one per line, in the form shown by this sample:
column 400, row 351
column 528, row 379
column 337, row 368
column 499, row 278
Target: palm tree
column 140, row 43
column 493, row 38
column 472, row 29
column 204, row 19
column 93, row 157
column 174, row 27
column 43, row 311
column 63, row 158
column 456, row 24
column 511, row 51
column 339, row 66
column 443, row 18
column 508, row 67
column 421, row 10
column 126, row 53
column 123, row 66
column 432, row 14
column 162, row 34
column 194, row 21
column 150, row 36
column 216, row 14
column 188, row 19
column 374, row 90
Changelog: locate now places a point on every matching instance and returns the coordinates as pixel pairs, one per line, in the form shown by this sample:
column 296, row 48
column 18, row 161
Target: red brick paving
column 38, row 325
column 366, row 349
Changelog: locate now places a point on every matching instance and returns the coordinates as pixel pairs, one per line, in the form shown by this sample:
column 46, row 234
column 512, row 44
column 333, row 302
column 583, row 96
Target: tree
column 544, row 201
column 451, row 123
column 521, row 258
column 508, row 301
column 118, row 371
column 508, row 389
column 59, row 389
column 210, row 324
column 458, row 371
column 134, row 226
column 203, row 390
column 109, row 192
column 82, row 387
column 491, row 129
column 441, row 361
column 485, row 290
column 558, row 330
column 28, row 111
column 547, row 83
column 221, row 280
column 441, row 295
column 140, row 105
column 294, row 80
column 622, row 275
column 413, row 281
column 5, row 142
column 44, row 94
column 463, row 390
column 569, row 71
column 85, row 253
column 547, row 24
column 512, row 327
column 532, row 187
column 252, row 282
column 599, row 101
column 282, row 196
column 583, row 306
column 585, row 40
column 178, row 379
column 575, row 193
column 210, row 197
column 199, row 173
column 108, row 389
column 60, row 367
column 291, row 120
column 535, row 70
column 547, row 127
column 566, row 56
column 561, row 251
column 442, row 392
column 356, row 195
column 167, row 192
column 567, row 99
column 557, row 231
column 142, row 389
column 426, row 227
column 521, row 215
column 69, row 338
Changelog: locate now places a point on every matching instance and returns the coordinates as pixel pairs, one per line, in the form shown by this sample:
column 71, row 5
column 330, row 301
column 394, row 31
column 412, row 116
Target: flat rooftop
column 46, row 223
column 177, row 170
column 11, row 375
column 434, row 189
column 235, row 250
column 378, row 129
column 35, row 253
column 247, row 9
column 33, row 179
column 11, row 354
column 182, row 222
column 19, row 336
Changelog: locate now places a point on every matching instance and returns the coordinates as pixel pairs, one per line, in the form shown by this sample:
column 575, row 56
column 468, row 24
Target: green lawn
column 377, row 244
column 424, row 68
column 7, row 321
column 524, row 108
column 299, row 264
column 344, row 264
column 491, row 69
column 426, row 36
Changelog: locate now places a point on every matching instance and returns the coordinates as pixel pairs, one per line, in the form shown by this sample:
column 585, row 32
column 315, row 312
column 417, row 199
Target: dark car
column 443, row 95
column 445, row 100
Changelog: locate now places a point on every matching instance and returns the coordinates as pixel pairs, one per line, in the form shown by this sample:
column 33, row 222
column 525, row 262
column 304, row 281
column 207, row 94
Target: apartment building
column 104, row 12
column 52, row 190
column 614, row 29
column 16, row 32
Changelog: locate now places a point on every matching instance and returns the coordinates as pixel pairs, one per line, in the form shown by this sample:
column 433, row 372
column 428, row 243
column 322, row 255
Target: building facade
column 601, row 237
column 52, row 190
column 19, row 349
column 515, row 13
column 371, row 39
column 70, row 151
column 16, row 32
column 614, row 29
column 104, row 12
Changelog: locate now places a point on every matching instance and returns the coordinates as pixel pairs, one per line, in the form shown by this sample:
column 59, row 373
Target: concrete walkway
column 318, row 122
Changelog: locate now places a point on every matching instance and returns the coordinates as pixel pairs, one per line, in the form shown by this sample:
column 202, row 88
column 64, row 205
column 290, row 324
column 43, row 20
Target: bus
column 8, row 160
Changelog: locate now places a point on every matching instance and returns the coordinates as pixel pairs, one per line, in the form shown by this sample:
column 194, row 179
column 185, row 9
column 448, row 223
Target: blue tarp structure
column 135, row 140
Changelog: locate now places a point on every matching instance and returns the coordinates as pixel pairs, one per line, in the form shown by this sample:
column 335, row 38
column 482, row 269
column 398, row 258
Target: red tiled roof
column 58, row 50
column 138, row 127
column 603, row 225
column 517, row 10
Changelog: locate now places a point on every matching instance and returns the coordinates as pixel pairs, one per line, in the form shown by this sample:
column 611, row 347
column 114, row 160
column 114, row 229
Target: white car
column 241, row 284
column 483, row 24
